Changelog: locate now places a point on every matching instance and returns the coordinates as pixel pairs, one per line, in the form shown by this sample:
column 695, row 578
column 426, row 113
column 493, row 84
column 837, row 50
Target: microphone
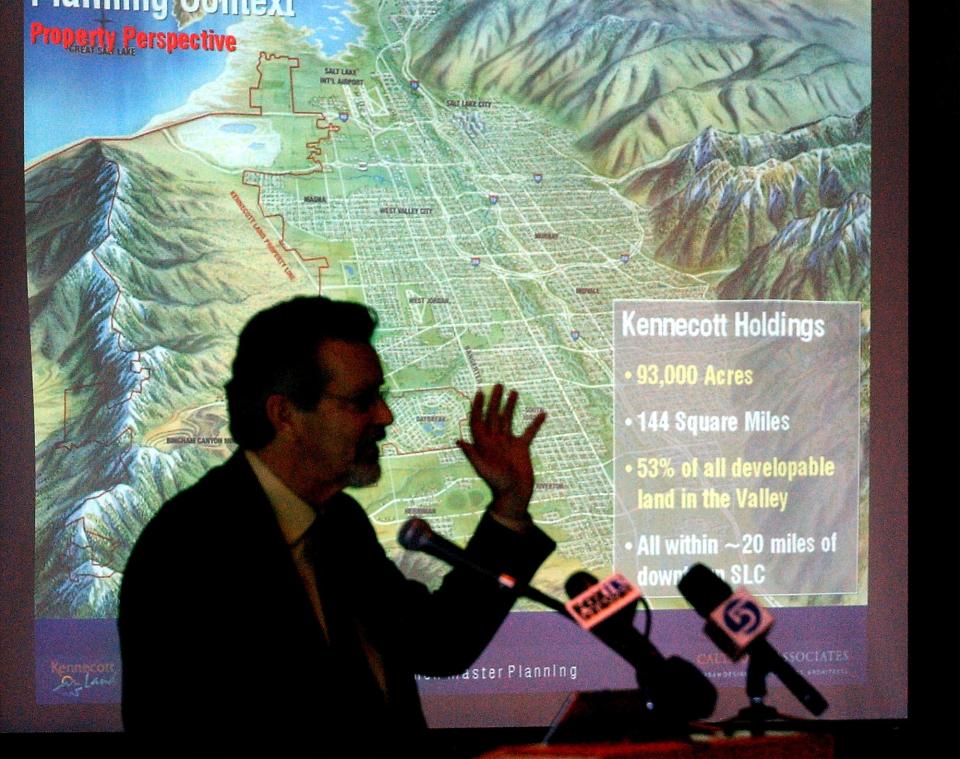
column 417, row 535
column 616, row 630
column 714, row 600
column 674, row 686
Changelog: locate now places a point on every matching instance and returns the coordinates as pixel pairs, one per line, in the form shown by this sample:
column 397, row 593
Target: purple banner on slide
column 78, row 661
column 543, row 653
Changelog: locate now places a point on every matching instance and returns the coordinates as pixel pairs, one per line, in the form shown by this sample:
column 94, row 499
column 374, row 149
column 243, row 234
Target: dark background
column 929, row 169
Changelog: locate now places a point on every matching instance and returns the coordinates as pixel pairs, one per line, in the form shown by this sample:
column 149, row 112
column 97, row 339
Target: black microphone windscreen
column 579, row 582
column 415, row 534
column 703, row 589
column 689, row 688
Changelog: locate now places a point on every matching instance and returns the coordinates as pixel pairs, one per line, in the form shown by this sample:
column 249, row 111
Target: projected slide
column 737, row 430
column 496, row 179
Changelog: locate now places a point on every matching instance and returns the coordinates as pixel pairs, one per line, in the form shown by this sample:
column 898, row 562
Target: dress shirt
column 295, row 517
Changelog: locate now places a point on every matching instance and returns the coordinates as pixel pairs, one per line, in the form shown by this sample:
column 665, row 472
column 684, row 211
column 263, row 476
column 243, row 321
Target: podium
column 615, row 725
column 770, row 746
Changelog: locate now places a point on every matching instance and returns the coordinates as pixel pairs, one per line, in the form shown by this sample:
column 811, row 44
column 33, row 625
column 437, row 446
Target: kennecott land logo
column 75, row 678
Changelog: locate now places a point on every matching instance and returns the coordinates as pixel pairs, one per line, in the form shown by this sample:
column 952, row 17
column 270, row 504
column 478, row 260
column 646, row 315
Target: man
column 257, row 606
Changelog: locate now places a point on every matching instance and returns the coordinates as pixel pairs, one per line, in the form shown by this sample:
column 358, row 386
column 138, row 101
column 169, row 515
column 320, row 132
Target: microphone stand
column 757, row 716
column 644, row 714
column 657, row 704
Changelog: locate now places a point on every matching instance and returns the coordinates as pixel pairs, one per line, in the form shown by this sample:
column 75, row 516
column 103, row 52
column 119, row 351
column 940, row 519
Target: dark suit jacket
column 219, row 640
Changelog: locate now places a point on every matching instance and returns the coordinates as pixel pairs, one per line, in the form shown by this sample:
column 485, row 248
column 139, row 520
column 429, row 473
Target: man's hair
column 277, row 353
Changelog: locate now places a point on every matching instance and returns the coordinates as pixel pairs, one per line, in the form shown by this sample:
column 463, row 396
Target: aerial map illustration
column 489, row 175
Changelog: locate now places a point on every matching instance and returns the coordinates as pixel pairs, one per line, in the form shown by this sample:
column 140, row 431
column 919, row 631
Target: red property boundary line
column 461, row 423
column 135, row 356
column 111, row 545
column 314, row 155
column 315, row 152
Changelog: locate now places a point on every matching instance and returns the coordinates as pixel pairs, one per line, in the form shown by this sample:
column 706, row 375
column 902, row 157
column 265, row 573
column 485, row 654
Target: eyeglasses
column 363, row 402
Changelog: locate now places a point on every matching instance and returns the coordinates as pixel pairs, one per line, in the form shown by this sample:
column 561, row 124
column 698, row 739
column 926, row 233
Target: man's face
column 338, row 438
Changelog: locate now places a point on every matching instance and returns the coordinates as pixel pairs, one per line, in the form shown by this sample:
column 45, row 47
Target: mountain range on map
column 731, row 121
column 741, row 131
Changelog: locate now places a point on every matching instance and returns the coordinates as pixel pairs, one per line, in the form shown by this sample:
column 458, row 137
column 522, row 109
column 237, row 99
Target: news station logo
column 600, row 601
column 743, row 618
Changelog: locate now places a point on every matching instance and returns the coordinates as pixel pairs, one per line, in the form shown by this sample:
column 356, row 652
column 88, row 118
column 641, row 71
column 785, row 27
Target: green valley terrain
column 489, row 176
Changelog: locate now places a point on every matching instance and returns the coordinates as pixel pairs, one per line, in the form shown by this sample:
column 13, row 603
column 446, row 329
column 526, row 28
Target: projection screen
column 653, row 219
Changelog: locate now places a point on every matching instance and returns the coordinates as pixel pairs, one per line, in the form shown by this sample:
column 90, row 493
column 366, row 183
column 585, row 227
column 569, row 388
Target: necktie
column 353, row 660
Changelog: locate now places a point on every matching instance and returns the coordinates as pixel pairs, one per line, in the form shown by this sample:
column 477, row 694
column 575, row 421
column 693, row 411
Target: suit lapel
column 265, row 571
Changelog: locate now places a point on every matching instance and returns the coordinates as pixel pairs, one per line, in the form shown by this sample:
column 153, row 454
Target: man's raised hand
column 501, row 458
